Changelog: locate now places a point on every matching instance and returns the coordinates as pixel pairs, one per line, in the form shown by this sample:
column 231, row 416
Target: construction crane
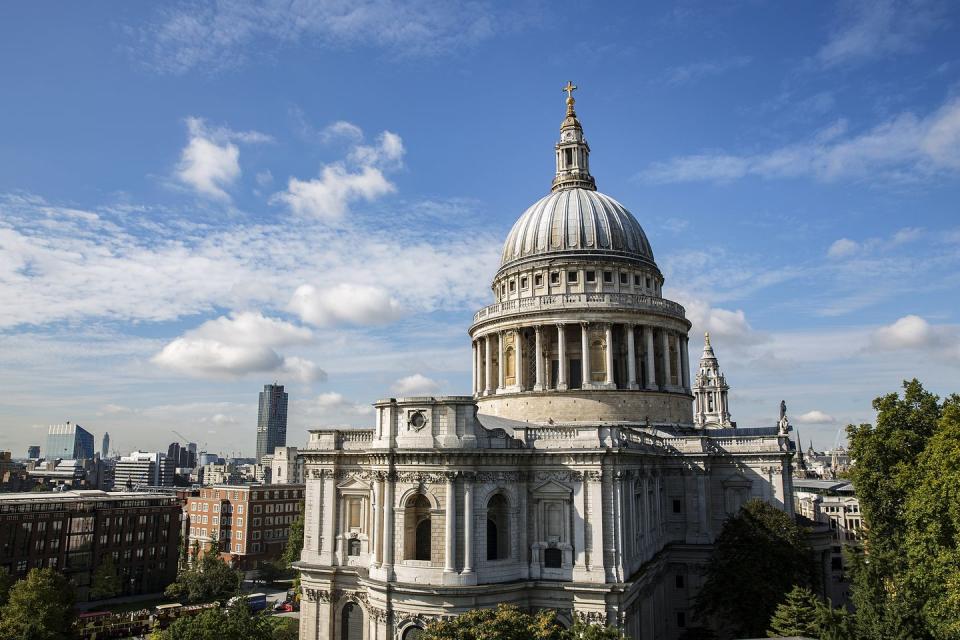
column 186, row 440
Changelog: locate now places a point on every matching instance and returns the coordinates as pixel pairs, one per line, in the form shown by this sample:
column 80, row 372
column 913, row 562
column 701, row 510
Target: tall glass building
column 69, row 441
column 271, row 420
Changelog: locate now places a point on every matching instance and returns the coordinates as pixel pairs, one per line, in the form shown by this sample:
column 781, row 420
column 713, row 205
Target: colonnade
column 610, row 356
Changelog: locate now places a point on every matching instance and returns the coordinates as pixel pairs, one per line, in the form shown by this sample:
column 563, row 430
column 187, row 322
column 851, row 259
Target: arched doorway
column 417, row 528
column 498, row 528
column 351, row 622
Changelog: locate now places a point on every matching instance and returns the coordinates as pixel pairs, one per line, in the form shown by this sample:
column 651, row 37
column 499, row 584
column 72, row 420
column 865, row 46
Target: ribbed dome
column 576, row 221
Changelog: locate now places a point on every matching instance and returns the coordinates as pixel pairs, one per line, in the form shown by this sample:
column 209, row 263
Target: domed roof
column 576, row 221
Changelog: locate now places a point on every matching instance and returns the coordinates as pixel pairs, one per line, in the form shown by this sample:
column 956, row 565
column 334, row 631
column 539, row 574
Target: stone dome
column 576, row 221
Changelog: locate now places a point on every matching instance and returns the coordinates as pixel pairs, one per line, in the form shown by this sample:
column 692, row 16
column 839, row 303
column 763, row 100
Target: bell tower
column 573, row 152
column 711, row 410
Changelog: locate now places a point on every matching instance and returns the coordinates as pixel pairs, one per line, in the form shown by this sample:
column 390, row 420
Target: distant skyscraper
column 69, row 441
column 33, row 451
column 272, row 420
column 105, row 447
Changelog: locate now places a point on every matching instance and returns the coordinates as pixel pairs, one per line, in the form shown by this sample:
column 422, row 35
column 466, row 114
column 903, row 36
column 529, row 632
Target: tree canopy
column 759, row 556
column 208, row 579
column 39, row 607
column 507, row 622
column 236, row 622
column 106, row 581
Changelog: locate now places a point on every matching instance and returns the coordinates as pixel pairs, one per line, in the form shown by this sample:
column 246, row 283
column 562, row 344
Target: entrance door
column 351, row 623
column 576, row 375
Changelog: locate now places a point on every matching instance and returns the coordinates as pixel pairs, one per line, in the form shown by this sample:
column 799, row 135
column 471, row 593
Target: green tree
column 6, row 582
column 208, row 579
column 220, row 624
column 294, row 548
column 39, row 607
column 506, row 622
column 106, row 581
column 582, row 630
column 270, row 572
column 758, row 557
column 797, row 615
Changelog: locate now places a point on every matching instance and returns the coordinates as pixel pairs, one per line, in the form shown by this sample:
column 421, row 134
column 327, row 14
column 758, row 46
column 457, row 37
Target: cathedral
column 585, row 473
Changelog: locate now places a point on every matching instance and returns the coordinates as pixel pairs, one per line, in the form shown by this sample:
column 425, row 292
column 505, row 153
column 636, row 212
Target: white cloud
column 360, row 178
column 416, row 385
column 334, row 401
column 878, row 28
column 210, row 163
column 728, row 327
column 842, row 248
column 698, row 70
column 236, row 346
column 215, row 35
column 906, row 147
column 909, row 332
column 344, row 303
column 815, row 417
column 341, row 130
column 328, row 197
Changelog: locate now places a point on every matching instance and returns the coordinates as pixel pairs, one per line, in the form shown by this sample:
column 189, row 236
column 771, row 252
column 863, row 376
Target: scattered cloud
column 344, row 303
column 360, row 178
column 873, row 29
column 341, row 130
column 842, row 248
column 845, row 247
column 416, row 385
column 210, row 163
column 730, row 327
column 333, row 401
column 905, row 147
column 914, row 332
column 244, row 343
column 815, row 417
column 693, row 72
column 210, row 36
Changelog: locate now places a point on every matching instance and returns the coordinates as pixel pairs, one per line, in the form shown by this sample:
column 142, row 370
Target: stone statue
column 783, row 424
column 783, row 409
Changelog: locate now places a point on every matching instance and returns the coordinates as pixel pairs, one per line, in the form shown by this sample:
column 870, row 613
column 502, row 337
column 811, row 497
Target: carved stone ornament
column 416, row 419
column 421, row 477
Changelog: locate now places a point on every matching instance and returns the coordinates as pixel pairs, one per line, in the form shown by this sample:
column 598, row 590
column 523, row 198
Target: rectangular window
column 354, row 517
column 623, row 278
column 538, row 280
column 513, row 286
column 216, row 520
column 572, row 277
column 239, row 508
column 681, row 619
column 648, row 282
column 524, row 282
column 677, row 506
column 554, row 277
column 236, row 548
column 636, row 281
column 679, row 579
column 591, row 276
column 608, row 276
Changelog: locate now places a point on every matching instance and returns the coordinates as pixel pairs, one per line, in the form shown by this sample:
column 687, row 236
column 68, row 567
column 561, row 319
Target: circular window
column 417, row 420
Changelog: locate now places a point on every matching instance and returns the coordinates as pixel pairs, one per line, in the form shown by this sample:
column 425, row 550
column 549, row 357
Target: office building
column 286, row 467
column 33, row 452
column 69, row 441
column 271, row 420
column 105, row 446
column 250, row 522
column 73, row 531
column 144, row 469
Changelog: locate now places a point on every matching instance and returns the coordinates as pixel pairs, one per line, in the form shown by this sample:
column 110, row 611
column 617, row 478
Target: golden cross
column 570, row 88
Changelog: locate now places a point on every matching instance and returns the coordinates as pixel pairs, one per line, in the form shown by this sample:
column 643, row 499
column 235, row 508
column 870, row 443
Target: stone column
column 651, row 365
column 678, row 363
column 562, row 357
column 473, row 378
column 585, row 355
column 468, row 523
column 377, row 528
column 501, row 378
column 538, row 354
column 518, row 359
column 631, row 358
column 665, row 341
column 645, row 532
column 448, row 523
column 608, row 353
column 488, row 366
column 329, row 517
column 685, row 362
column 388, row 532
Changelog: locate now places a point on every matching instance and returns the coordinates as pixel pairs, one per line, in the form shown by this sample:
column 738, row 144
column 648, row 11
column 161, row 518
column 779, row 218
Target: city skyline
column 244, row 210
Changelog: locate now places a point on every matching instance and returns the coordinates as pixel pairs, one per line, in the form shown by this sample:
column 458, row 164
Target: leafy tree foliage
column 237, row 622
column 106, row 581
column 294, row 546
column 758, row 557
column 270, row 572
column 507, row 622
column 6, row 582
column 907, row 477
column 797, row 615
column 39, row 607
column 208, row 579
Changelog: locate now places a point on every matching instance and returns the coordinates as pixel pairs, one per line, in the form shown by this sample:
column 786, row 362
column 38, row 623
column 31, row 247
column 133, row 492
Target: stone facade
column 574, row 478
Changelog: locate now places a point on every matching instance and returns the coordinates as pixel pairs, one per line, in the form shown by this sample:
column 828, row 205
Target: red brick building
column 250, row 522
column 74, row 531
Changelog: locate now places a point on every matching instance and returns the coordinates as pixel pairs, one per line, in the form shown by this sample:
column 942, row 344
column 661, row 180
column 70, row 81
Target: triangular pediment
column 552, row 488
column 354, row 484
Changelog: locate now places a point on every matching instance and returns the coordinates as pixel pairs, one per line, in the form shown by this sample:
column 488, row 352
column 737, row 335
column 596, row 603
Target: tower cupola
column 573, row 152
column 711, row 408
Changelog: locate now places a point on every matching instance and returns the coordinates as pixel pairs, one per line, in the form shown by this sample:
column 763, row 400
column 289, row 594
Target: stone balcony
column 580, row 301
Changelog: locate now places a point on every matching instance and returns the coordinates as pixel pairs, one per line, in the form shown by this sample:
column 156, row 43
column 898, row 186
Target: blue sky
column 197, row 199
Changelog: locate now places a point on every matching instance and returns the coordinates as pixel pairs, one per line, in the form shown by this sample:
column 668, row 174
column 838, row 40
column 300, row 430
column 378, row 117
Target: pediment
column 552, row 488
column 353, row 484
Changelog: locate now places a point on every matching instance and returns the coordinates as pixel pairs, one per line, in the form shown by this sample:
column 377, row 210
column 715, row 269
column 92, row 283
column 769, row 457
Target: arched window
column 417, row 529
column 510, row 362
column 353, row 547
column 412, row 633
column 351, row 622
column 498, row 528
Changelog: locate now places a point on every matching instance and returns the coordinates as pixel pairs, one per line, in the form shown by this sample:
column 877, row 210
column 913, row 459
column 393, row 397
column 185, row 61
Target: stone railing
column 333, row 438
column 707, row 444
column 350, row 440
column 575, row 301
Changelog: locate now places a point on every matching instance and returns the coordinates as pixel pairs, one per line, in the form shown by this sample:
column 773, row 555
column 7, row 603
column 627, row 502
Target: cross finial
column 570, row 88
